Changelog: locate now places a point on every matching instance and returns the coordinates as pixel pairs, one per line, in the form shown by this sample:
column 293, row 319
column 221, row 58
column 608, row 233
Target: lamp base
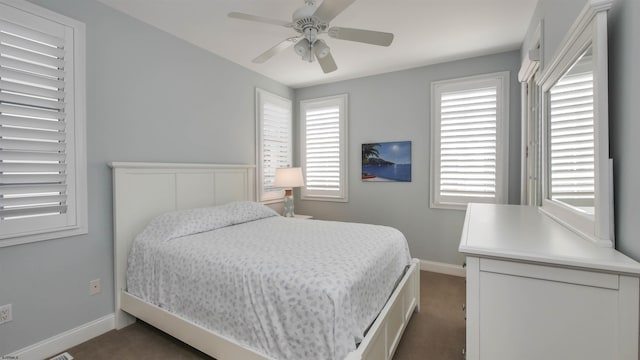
column 288, row 206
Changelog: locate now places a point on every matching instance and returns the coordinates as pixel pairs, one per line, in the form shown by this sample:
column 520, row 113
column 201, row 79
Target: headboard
column 142, row 191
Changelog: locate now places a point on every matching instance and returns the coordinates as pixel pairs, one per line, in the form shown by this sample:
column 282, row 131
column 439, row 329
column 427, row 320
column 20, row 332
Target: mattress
column 287, row 288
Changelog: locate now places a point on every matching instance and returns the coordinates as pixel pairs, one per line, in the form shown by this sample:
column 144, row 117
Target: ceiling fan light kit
column 303, row 48
column 310, row 21
column 321, row 49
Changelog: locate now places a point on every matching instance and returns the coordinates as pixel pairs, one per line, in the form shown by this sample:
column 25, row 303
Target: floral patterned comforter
column 287, row 288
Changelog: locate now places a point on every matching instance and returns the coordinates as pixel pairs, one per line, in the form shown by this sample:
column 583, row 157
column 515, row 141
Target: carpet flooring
column 437, row 332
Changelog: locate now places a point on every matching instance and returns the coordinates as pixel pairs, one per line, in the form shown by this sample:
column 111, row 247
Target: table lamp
column 288, row 178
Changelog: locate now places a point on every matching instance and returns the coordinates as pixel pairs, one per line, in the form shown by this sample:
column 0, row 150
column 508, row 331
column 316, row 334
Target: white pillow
column 179, row 223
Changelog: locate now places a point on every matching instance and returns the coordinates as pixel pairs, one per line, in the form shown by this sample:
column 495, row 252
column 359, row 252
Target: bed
column 143, row 191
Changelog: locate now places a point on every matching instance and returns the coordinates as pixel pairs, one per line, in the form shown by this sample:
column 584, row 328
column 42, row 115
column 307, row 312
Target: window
column 323, row 138
column 42, row 125
column 273, row 124
column 469, row 139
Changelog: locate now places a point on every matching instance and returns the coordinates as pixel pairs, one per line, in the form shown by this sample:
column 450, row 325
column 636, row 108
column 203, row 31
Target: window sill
column 319, row 198
column 49, row 235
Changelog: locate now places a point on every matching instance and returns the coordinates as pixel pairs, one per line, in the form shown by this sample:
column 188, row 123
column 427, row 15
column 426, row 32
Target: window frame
column 531, row 129
column 262, row 96
column 27, row 14
column 501, row 81
column 342, row 101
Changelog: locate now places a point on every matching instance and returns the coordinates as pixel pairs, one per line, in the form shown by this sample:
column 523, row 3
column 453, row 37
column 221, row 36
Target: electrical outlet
column 5, row 313
column 94, row 287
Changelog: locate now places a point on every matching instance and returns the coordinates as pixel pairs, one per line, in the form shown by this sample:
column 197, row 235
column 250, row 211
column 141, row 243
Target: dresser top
column 523, row 233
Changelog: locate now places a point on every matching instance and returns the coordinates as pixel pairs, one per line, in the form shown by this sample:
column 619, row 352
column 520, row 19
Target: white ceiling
column 426, row 32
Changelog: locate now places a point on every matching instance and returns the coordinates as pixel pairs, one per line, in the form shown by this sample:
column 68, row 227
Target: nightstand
column 305, row 217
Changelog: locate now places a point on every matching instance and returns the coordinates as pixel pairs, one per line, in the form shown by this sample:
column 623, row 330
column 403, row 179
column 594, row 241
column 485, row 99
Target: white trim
column 443, row 268
column 531, row 64
column 524, row 140
column 533, row 59
column 165, row 166
column 63, row 341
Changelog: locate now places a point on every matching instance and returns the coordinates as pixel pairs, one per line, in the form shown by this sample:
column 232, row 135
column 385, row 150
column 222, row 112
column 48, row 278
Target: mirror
column 576, row 169
column 571, row 140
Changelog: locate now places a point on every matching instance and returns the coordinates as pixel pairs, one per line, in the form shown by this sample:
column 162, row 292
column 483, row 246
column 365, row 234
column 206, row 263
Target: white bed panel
column 190, row 199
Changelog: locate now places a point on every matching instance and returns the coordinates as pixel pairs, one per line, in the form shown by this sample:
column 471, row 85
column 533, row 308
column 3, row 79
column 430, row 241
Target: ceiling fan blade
column 329, row 9
column 327, row 63
column 363, row 36
column 262, row 19
column 284, row 44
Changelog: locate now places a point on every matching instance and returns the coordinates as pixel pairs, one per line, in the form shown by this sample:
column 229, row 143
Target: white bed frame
column 142, row 191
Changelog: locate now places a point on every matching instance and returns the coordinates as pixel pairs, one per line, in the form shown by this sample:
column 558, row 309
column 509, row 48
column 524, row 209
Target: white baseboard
column 443, row 268
column 54, row 345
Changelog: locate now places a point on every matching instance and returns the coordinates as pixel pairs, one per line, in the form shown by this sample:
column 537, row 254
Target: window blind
column 468, row 133
column 276, row 132
column 572, row 139
column 33, row 160
column 322, row 157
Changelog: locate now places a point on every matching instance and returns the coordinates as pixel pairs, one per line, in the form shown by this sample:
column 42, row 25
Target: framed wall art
column 386, row 161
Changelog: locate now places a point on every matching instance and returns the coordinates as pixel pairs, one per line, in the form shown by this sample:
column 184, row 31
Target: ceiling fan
column 310, row 21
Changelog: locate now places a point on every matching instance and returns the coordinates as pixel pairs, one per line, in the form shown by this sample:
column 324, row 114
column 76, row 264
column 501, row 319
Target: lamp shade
column 289, row 177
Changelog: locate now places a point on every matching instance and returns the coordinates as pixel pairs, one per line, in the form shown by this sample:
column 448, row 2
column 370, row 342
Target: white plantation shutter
column 324, row 143
column 468, row 141
column 275, row 141
column 37, row 135
column 323, row 149
column 572, row 139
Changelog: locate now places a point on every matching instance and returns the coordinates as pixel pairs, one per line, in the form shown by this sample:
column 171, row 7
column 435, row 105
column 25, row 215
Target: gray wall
column 557, row 17
column 151, row 97
column 624, row 120
column 396, row 107
column 624, row 107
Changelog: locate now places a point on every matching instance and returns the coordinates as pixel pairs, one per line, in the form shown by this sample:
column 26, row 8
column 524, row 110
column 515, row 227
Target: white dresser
column 536, row 290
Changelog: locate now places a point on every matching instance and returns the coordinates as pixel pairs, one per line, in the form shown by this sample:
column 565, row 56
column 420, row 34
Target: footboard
column 385, row 333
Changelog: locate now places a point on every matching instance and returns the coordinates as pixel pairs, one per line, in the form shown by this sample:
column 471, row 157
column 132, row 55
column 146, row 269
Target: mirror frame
column 589, row 30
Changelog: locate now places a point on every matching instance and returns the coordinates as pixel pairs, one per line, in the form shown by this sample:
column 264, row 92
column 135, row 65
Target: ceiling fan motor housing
column 303, row 19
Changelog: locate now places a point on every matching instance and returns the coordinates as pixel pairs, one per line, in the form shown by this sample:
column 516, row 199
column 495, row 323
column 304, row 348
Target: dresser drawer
column 551, row 273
